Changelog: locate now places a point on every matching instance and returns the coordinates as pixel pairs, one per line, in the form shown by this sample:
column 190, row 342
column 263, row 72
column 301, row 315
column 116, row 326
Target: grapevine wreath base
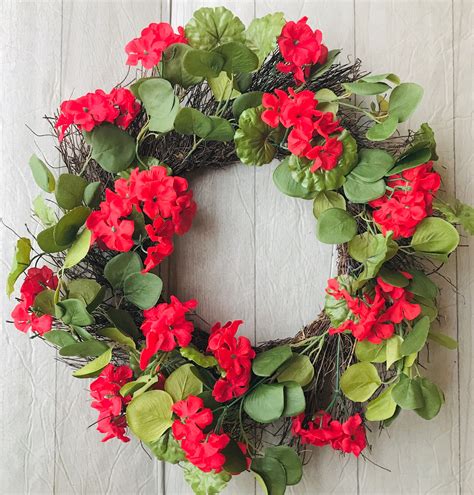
column 210, row 95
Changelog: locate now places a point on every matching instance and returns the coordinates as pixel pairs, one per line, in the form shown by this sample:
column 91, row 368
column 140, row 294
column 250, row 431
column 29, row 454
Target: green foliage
column 435, row 237
column 283, row 179
column 112, row 148
column 44, row 302
column 416, row 338
column 149, row 415
column 364, row 88
column 318, row 70
column 360, row 381
column 200, row 63
column 190, row 121
column 262, row 33
column 270, row 473
column 89, row 348
column 41, row 174
column 381, row 408
column 265, row 403
column 411, row 160
column 375, row 78
column 43, row 212
column 79, row 249
column 337, row 310
column 59, row 338
column 247, row 100
column 383, row 130
column 21, row 261
column 237, row 58
column 336, row 226
column 443, row 339
column 327, row 101
column 370, row 352
column 211, row 27
column 373, row 165
column 404, row 100
column 289, row 460
column 192, row 354
column 456, row 212
column 173, row 66
column 69, row 191
column 182, row 383
column 421, row 284
column 65, row 231
column 221, row 130
column 433, row 399
column 326, row 200
column 393, row 350
column 167, row 449
column 73, row 312
column 93, row 194
column 254, row 140
column 235, row 461
column 94, row 367
column 46, row 242
column 295, row 403
column 123, row 321
column 120, row 267
column 298, row 369
column 116, row 335
column 223, row 88
column 423, row 138
column 86, row 290
column 393, row 278
column 203, row 483
column 267, row 362
column 407, row 393
column 142, row 289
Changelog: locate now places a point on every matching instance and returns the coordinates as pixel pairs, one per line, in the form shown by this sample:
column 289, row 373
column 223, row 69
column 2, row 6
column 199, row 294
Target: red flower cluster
column 408, row 201
column 36, row 281
column 165, row 327
column 105, row 390
column 204, row 451
column 324, row 430
column 164, row 199
column 234, row 356
column 297, row 111
column 300, row 48
column 118, row 107
column 375, row 315
column 152, row 43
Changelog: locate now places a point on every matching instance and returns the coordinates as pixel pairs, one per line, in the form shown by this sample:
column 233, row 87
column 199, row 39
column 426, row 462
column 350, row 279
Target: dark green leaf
column 318, row 70
column 373, row 165
column 289, row 460
column 237, row 57
column 83, row 289
column 120, row 267
column 265, row 403
column 142, row 289
column 247, row 100
column 42, row 175
column 433, row 399
column 336, row 226
column 411, row 161
column 271, row 474
column 173, row 66
column 190, row 121
column 66, row 229
column 69, row 191
column 407, row 393
column 423, row 138
column 221, row 130
column 123, row 321
column 203, row 64
column 235, row 461
column 421, row 284
column 93, row 194
column 295, row 402
column 44, row 302
column 73, row 312
column 267, row 362
column 59, row 338
column 47, row 243
column 416, row 338
column 396, row 279
column 358, row 191
column 90, row 348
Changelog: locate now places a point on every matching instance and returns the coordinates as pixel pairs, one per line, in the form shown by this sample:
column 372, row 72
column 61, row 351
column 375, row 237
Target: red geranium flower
column 165, row 327
column 325, row 156
column 154, row 40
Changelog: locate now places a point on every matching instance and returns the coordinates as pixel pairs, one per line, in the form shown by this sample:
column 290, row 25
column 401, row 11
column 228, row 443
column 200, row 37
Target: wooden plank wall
column 252, row 252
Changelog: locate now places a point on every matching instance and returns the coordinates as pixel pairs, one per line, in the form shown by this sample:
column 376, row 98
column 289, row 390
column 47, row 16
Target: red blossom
column 408, row 201
column 165, row 327
column 149, row 47
column 105, row 390
column 300, row 48
column 234, row 356
column 325, row 156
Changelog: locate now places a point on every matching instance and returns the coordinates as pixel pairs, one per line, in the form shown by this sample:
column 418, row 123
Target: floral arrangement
column 211, row 94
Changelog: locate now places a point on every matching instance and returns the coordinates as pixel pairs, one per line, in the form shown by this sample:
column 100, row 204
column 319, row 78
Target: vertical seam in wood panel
column 458, row 364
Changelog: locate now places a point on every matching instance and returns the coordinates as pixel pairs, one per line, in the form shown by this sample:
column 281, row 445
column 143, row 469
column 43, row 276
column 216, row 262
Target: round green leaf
column 298, row 369
column 393, row 352
column 182, row 383
column 89, row 348
column 190, row 121
column 407, row 393
column 203, row 64
column 358, row 191
column 404, row 100
column 283, row 179
column 326, row 200
column 247, row 100
column 435, row 235
column 116, row 335
column 120, row 267
column 295, row 402
column 412, row 160
column 433, row 399
column 84, row 289
column 381, row 408
column 93, row 194
column 254, row 140
column 416, row 338
column 149, row 415
column 44, row 302
column 211, row 27
column 360, row 381
column 173, row 66
column 47, row 243
column 112, row 148
column 235, row 461
column 336, row 226
column 265, row 403
column 41, row 174
column 142, row 289
column 79, row 249
column 289, row 460
column 382, row 131
column 43, row 212
column 59, row 338
column 267, row 362
column 123, row 321
column 69, row 191
column 396, row 279
column 221, row 130
column 373, row 353
column 373, row 165
column 93, row 368
column 73, row 312
column 237, row 57
column 366, row 88
column 422, row 285
column 271, row 473
column 66, row 229
column 21, row 261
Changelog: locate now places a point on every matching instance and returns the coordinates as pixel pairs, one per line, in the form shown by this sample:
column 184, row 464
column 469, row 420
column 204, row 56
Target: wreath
column 209, row 95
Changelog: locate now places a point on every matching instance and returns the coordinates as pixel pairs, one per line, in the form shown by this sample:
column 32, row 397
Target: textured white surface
column 251, row 254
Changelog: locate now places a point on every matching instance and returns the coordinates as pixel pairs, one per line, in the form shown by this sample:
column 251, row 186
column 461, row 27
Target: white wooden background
column 252, row 252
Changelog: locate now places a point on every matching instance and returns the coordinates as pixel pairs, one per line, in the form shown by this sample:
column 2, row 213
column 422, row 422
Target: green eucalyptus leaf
column 246, row 100
column 149, row 415
column 360, row 191
column 381, row 408
column 443, row 339
column 73, row 312
column 237, row 57
column 428, row 307
column 192, row 354
column 69, row 191
column 173, row 66
column 270, row 473
column 182, row 383
column 407, row 393
column 93, row 194
column 366, row 88
column 190, row 121
column 298, row 369
column 116, row 335
column 93, row 368
column 221, row 130
column 44, row 302
column 211, row 27
column 360, row 381
column 283, row 179
column 21, row 261
column 416, row 338
column 396, row 279
column 203, row 64
column 267, row 362
column 83, row 289
column 318, row 70
column 265, row 403
column 295, row 402
column 43, row 212
column 65, row 231
column 142, row 289
column 435, row 235
column 373, row 165
column 261, row 35
column 383, row 130
column 327, row 101
column 336, row 226
column 290, row 461
column 46, row 242
column 421, row 284
column 41, row 174
column 393, row 350
column 370, row 352
column 411, row 161
column 59, row 338
column 370, row 250
column 404, row 100
column 124, row 321
column 235, row 460
column 121, row 266
column 79, row 248
column 433, row 399
column 326, row 200
column 89, row 348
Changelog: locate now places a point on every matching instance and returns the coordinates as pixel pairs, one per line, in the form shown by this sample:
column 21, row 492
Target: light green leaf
column 173, row 66
column 368, row 351
column 381, row 408
column 59, row 338
column 79, row 249
column 41, row 173
column 116, row 335
column 190, row 121
column 393, row 350
column 167, row 449
column 360, row 381
column 373, row 165
column 336, row 226
column 283, row 179
column 142, row 289
column 89, row 348
column 211, row 27
column 327, row 101
column 69, row 191
column 93, row 368
column 326, row 200
column 223, row 88
column 374, row 78
column 435, row 236
column 265, row 403
column 443, row 339
column 359, row 191
column 203, row 483
column 43, row 212
column 370, row 250
column 73, row 312
column 366, row 88
column 407, row 393
column 120, row 267
column 433, row 399
column 267, row 362
column 416, row 338
column 149, row 415
column 456, row 212
column 298, row 369
column 182, row 383
column 191, row 353
column 289, row 460
column 337, row 310
column 84, row 289
column 382, row 131
column 295, row 402
column 261, row 35
column 404, row 100
column 21, row 261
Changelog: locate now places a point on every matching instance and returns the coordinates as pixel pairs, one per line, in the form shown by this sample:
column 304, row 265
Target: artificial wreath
column 209, row 95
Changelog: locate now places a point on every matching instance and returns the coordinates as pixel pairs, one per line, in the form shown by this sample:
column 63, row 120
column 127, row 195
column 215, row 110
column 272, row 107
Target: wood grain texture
column 252, row 253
